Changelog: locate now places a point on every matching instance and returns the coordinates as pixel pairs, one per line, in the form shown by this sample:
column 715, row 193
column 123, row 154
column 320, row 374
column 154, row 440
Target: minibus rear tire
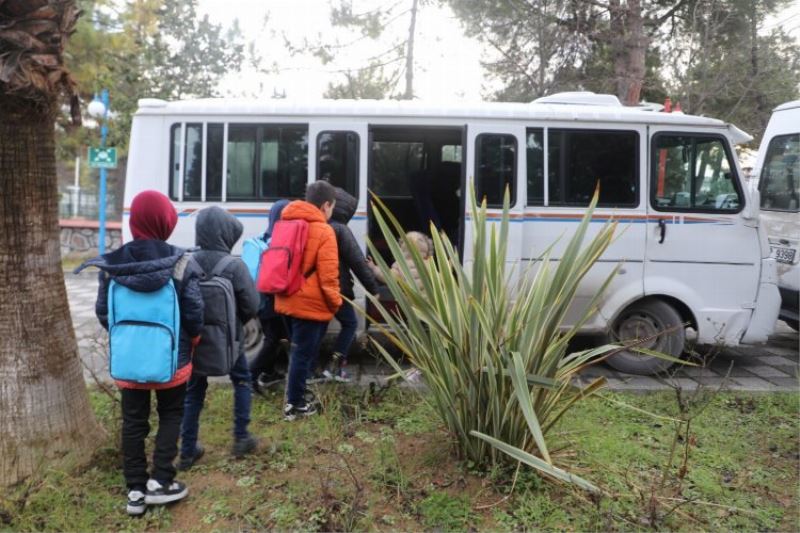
column 647, row 317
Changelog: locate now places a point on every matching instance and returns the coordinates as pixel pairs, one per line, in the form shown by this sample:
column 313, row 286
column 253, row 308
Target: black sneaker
column 158, row 494
column 290, row 412
column 269, row 379
column 242, row 447
column 185, row 463
column 257, row 388
column 136, row 505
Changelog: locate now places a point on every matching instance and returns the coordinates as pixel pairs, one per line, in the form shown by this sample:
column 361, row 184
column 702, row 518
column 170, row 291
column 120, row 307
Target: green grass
column 384, row 463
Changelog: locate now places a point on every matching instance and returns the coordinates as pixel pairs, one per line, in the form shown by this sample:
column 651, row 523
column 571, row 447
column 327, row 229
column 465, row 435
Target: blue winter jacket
column 148, row 265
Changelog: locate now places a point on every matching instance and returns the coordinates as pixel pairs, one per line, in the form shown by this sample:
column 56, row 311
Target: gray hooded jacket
column 216, row 233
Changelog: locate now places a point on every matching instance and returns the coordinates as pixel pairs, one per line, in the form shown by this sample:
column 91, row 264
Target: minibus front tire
column 647, row 318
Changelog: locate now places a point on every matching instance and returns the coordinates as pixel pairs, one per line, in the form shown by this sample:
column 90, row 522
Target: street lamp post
column 98, row 109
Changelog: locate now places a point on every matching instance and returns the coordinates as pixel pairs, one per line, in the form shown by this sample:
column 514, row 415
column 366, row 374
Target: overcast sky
column 447, row 65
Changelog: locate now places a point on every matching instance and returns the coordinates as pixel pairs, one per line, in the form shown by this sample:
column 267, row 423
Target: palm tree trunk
column 44, row 409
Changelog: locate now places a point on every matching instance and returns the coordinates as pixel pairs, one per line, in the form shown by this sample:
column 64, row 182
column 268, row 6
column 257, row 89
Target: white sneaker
column 136, row 504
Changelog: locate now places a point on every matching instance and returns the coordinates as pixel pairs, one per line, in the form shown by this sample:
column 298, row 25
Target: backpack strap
column 220, row 267
column 180, row 267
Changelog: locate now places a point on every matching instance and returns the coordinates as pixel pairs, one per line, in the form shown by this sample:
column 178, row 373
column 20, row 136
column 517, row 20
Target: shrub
column 491, row 351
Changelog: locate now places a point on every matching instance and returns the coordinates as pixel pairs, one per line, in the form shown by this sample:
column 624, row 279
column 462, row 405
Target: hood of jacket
column 274, row 216
column 302, row 210
column 345, row 206
column 217, row 230
column 141, row 265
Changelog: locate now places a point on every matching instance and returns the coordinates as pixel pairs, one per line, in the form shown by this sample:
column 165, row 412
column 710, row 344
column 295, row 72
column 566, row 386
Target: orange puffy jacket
column 318, row 299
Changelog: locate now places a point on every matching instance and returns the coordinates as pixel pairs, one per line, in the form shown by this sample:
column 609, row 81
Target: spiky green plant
column 492, row 351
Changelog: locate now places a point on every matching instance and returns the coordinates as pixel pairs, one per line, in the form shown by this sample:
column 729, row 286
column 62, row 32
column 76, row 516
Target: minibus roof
column 604, row 110
column 788, row 105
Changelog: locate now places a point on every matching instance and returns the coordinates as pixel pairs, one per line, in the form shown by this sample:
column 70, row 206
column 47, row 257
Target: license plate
column 784, row 255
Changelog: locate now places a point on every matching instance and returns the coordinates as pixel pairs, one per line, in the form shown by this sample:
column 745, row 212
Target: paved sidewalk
column 770, row 368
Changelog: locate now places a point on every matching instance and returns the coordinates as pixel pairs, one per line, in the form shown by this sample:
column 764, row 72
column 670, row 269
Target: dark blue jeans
column 306, row 336
column 349, row 323
column 196, row 395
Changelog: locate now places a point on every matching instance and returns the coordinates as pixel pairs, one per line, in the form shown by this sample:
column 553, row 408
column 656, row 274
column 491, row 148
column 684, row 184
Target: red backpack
column 279, row 271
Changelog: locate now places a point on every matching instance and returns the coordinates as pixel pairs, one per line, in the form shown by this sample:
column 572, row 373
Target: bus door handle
column 662, row 226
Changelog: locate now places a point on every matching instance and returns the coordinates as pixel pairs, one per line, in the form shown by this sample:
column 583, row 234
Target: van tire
column 252, row 339
column 644, row 319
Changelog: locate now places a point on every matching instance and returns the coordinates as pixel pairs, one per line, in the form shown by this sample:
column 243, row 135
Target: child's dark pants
column 136, row 427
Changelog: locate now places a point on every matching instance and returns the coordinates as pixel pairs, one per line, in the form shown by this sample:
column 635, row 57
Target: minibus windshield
column 780, row 177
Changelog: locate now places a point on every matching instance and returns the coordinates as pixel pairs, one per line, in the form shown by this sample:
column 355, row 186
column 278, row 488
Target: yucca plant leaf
column 523, row 395
column 537, row 463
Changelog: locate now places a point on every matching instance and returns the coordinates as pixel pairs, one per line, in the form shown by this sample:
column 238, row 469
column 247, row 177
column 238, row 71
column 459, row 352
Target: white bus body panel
column 712, row 264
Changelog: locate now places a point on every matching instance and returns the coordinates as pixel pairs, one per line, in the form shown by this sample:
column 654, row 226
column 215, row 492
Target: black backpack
column 218, row 349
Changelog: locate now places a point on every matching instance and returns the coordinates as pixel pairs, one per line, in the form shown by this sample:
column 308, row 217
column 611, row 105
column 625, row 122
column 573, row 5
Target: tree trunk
column 44, row 407
column 629, row 44
column 409, row 92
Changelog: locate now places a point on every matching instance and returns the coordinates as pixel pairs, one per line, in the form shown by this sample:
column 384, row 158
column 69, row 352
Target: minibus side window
column 337, row 159
column 451, row 153
column 266, row 162
column 241, row 179
column 534, row 153
column 283, row 161
column 215, row 140
column 193, row 162
column 495, row 168
column 579, row 160
column 780, row 177
column 693, row 173
column 174, row 161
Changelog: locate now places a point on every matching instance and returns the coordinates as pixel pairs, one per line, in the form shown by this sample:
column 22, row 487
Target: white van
column 690, row 241
column 778, row 171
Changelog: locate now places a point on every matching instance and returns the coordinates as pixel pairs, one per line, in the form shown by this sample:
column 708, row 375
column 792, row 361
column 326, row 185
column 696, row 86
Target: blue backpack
column 252, row 250
column 144, row 329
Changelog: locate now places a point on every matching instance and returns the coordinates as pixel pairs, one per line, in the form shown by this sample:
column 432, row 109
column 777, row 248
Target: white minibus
column 691, row 248
column 778, row 172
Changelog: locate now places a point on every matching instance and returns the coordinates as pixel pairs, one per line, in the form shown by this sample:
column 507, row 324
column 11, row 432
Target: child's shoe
column 136, row 505
column 158, row 494
column 290, row 412
column 185, row 463
column 242, row 447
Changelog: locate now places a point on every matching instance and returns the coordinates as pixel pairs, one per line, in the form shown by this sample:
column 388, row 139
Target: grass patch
column 384, row 463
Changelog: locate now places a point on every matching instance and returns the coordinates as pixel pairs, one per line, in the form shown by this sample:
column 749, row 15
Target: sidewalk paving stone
column 788, row 384
column 765, row 371
column 775, row 360
column 755, row 384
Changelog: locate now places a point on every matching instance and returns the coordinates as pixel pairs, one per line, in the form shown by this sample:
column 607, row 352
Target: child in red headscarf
column 144, row 265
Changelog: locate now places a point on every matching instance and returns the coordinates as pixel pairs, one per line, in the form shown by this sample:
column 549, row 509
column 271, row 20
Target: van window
column 174, row 162
column 392, row 164
column 451, row 153
column 337, row 159
column 284, row 162
column 495, row 168
column 534, row 154
column 241, row 179
column 780, row 176
column 580, row 160
column 693, row 173
column 266, row 162
column 216, row 134
column 193, row 162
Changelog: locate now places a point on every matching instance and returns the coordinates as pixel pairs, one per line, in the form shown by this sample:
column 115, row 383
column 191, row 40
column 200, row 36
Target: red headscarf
column 152, row 216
